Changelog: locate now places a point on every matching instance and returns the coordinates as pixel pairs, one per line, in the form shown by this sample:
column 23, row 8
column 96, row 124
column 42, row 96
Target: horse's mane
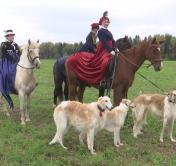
column 140, row 44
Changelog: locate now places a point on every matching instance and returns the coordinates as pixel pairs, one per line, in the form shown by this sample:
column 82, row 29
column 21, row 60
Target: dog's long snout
column 110, row 106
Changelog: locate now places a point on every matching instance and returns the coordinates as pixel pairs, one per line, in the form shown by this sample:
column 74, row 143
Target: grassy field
column 28, row 145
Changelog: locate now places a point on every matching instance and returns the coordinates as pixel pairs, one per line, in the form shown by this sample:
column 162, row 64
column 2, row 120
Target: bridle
column 31, row 60
column 122, row 56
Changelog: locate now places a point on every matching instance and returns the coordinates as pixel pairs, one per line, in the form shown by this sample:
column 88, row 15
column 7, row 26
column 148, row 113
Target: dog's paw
column 161, row 140
column 27, row 120
column 93, row 152
column 135, row 135
column 7, row 114
column 140, row 133
column 64, row 147
column 173, row 140
column 117, row 145
column 121, row 144
column 51, row 143
column 23, row 123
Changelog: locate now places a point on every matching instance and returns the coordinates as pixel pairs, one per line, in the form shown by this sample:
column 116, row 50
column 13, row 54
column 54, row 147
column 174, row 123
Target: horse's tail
column 57, row 83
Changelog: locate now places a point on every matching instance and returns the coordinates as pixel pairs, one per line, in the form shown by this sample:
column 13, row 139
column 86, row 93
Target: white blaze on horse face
column 159, row 49
column 35, row 53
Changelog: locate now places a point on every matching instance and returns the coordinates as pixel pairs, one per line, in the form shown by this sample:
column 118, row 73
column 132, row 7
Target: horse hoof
column 23, row 123
column 8, row 114
column 27, row 120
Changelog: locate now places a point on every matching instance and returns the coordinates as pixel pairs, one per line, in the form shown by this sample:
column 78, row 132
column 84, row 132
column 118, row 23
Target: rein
column 136, row 65
column 151, row 82
column 30, row 60
column 25, row 67
column 147, row 65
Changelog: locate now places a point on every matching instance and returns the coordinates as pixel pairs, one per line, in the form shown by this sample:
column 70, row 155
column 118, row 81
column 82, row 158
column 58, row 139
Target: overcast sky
column 69, row 20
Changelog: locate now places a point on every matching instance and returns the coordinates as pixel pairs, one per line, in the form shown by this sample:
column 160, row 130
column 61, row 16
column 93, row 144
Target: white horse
column 25, row 81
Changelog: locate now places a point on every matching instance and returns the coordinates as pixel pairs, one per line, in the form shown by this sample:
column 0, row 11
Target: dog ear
column 125, row 101
column 132, row 105
column 100, row 99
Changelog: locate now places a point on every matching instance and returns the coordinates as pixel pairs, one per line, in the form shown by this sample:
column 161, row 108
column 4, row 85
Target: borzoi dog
column 163, row 106
column 86, row 118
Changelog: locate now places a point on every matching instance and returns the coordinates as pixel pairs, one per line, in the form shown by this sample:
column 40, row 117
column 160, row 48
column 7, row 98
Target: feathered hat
column 105, row 17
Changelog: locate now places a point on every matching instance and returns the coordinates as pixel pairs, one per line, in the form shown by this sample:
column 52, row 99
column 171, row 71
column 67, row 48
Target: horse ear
column 29, row 42
column 161, row 41
column 37, row 41
column 154, row 40
column 125, row 38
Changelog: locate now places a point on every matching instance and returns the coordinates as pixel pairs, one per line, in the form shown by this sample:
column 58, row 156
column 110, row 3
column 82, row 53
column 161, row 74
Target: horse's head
column 32, row 49
column 153, row 53
column 123, row 43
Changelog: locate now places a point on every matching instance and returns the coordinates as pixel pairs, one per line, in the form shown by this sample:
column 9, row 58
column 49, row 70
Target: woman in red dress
column 93, row 69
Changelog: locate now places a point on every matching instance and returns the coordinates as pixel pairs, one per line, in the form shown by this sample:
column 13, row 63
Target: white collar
column 10, row 41
column 104, row 27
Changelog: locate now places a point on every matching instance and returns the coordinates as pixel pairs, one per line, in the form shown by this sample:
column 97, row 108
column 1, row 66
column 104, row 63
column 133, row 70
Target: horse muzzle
column 37, row 64
column 158, row 66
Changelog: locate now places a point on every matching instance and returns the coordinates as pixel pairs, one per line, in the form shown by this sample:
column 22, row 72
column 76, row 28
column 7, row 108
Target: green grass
column 28, row 145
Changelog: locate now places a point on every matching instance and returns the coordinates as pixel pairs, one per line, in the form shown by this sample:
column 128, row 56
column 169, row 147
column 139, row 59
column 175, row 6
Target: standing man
column 8, row 63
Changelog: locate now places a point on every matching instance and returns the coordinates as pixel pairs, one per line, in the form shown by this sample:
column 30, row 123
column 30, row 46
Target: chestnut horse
column 129, row 61
column 59, row 74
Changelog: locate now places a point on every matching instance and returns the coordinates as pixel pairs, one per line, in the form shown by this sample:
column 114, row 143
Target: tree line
column 49, row 50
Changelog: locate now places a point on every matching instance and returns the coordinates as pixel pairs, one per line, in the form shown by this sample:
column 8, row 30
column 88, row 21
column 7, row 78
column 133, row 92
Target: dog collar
column 101, row 110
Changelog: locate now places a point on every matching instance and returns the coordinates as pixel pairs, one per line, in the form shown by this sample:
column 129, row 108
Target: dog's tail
column 60, row 114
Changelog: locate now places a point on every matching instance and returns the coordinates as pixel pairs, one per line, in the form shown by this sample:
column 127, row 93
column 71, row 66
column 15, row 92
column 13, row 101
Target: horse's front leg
column 21, row 98
column 28, row 108
column 66, row 90
column 117, row 95
column 72, row 91
column 125, row 93
column 101, row 91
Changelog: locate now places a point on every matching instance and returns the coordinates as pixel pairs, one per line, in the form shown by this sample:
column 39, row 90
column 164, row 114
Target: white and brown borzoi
column 115, row 120
column 163, row 106
column 86, row 118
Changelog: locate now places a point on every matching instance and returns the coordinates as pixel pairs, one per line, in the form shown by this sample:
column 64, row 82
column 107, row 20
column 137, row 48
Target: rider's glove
column 112, row 52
